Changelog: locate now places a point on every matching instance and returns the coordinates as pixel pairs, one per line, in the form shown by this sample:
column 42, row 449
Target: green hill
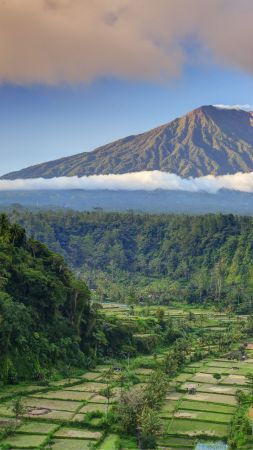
column 189, row 258
column 44, row 311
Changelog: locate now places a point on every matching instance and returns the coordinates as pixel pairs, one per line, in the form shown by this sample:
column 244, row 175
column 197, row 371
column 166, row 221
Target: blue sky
column 40, row 123
column 76, row 74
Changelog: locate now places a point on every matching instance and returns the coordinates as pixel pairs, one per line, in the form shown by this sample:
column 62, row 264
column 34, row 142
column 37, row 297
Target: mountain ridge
column 207, row 140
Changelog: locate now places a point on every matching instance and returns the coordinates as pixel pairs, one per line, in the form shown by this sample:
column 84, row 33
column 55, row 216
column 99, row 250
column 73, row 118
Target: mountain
column 208, row 140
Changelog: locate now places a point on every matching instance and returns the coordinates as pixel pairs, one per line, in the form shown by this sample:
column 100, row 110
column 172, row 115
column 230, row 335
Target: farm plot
column 196, row 428
column 25, row 440
column 238, row 380
column 172, row 442
column 65, row 394
column 208, row 407
column 72, row 444
column 90, row 376
column 88, row 387
column 213, row 398
column 65, row 432
column 38, row 427
column 204, row 403
column 216, row 389
column 208, row 378
column 44, row 403
column 93, row 407
column 203, row 415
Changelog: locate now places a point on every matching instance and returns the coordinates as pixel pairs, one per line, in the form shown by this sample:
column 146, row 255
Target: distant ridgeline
column 193, row 258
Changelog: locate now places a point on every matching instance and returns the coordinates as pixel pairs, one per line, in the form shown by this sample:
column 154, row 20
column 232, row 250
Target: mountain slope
column 43, row 309
column 208, row 140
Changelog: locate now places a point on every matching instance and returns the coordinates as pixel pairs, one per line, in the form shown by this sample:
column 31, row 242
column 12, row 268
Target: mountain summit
column 208, row 140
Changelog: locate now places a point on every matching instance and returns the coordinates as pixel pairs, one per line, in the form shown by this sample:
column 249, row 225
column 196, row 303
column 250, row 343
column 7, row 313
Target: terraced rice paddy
column 68, row 414
column 201, row 404
column 56, row 415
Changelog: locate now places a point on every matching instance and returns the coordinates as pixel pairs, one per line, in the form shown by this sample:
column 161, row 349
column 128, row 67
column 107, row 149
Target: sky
column 76, row 74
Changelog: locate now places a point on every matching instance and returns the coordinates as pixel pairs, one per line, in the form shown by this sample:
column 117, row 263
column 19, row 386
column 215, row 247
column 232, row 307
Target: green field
column 69, row 412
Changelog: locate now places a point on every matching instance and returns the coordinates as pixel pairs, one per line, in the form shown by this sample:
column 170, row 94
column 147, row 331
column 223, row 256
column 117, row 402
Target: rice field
column 68, row 413
column 203, row 404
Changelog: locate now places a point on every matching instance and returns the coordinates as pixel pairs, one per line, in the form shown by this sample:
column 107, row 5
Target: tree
column 148, row 427
column 108, row 394
column 156, row 389
column 18, row 408
column 130, row 407
column 170, row 365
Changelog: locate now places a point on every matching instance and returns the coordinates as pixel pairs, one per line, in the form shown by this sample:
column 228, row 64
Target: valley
column 200, row 405
column 126, row 225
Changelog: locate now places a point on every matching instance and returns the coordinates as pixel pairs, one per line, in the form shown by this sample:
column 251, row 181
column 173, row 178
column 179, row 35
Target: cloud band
column 148, row 180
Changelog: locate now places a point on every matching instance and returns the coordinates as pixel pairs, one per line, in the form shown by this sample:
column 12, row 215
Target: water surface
column 211, row 446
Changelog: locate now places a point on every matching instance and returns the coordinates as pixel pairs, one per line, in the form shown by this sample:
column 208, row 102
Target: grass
column 72, row 444
column 212, row 398
column 201, row 377
column 238, row 380
column 25, row 440
column 183, row 377
column 66, row 381
column 215, row 389
column 111, row 442
column 66, row 395
column 204, row 416
column 91, row 375
column 37, row 427
column 88, row 387
column 93, row 407
column 196, row 428
column 59, row 405
column 56, row 415
column 169, row 406
column 209, row 407
column 98, row 399
column 178, row 442
column 77, row 433
column 128, row 443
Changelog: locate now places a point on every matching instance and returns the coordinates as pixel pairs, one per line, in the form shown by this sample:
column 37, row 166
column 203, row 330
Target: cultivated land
column 69, row 413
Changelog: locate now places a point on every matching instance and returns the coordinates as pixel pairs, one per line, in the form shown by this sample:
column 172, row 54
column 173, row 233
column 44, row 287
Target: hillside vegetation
column 193, row 258
column 47, row 322
column 44, row 311
column 205, row 141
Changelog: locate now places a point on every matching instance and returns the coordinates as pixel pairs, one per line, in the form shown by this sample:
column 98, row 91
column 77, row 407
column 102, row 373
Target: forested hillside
column 196, row 259
column 44, row 311
column 46, row 320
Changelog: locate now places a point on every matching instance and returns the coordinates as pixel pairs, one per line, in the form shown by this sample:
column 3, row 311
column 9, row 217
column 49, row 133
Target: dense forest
column 47, row 322
column 159, row 257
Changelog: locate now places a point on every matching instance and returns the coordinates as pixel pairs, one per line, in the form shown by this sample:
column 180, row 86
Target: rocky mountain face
column 208, row 140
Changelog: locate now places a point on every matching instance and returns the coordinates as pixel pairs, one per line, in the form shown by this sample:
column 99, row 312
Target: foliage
column 152, row 258
column 138, row 408
column 149, row 426
column 18, row 408
column 44, row 311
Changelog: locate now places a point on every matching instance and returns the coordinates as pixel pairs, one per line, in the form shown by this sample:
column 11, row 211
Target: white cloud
column 149, row 180
column 238, row 107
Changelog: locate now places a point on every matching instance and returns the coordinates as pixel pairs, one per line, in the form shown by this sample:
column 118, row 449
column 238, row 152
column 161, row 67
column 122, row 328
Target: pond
column 211, row 446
